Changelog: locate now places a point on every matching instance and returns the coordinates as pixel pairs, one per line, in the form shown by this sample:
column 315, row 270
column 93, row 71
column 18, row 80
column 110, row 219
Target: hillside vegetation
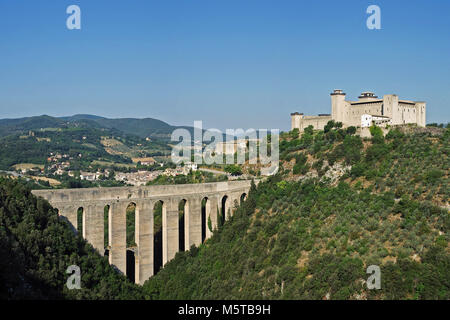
column 36, row 248
column 143, row 128
column 306, row 234
column 338, row 204
column 83, row 145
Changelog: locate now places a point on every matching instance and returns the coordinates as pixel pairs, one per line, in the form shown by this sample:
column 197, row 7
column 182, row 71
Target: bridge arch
column 106, row 228
column 242, row 198
column 81, row 221
column 183, row 212
column 224, row 209
column 207, row 225
column 159, row 210
column 131, row 243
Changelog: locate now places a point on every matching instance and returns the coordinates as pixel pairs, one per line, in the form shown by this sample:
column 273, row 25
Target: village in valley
column 138, row 171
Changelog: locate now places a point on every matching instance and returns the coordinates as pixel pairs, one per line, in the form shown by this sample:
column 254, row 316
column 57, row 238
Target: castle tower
column 337, row 105
column 296, row 120
column 391, row 108
column 420, row 113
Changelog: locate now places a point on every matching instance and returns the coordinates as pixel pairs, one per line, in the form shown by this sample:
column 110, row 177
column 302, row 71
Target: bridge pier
column 69, row 213
column 144, row 241
column 118, row 236
column 193, row 223
column 235, row 202
column 170, row 230
column 93, row 226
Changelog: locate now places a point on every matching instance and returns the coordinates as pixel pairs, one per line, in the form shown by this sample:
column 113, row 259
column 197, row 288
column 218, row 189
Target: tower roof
column 337, row 92
column 367, row 94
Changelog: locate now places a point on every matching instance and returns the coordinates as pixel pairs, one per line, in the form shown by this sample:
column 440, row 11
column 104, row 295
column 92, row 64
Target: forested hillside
column 338, row 204
column 147, row 127
column 36, row 248
column 310, row 232
column 83, row 145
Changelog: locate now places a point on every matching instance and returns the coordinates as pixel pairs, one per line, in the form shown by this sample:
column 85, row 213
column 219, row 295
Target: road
column 15, row 174
column 213, row 171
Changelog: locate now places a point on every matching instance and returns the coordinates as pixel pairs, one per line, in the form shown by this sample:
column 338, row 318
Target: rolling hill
column 143, row 128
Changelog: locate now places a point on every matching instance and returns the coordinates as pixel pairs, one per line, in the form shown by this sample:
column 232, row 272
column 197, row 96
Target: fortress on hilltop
column 368, row 110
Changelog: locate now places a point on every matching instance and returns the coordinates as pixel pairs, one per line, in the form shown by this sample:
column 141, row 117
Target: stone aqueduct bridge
column 219, row 196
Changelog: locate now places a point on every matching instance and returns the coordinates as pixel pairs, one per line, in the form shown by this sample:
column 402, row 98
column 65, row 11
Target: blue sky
column 232, row 64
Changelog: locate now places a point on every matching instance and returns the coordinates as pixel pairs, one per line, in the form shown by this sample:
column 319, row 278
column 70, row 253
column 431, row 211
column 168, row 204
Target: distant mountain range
column 146, row 127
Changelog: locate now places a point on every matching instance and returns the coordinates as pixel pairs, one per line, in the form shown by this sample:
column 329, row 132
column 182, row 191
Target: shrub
column 433, row 175
column 351, row 130
column 358, row 170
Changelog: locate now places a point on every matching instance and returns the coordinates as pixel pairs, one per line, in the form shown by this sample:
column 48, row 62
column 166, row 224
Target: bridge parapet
column 143, row 192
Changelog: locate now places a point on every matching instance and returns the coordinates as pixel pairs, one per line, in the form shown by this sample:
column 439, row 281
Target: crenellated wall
column 220, row 196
